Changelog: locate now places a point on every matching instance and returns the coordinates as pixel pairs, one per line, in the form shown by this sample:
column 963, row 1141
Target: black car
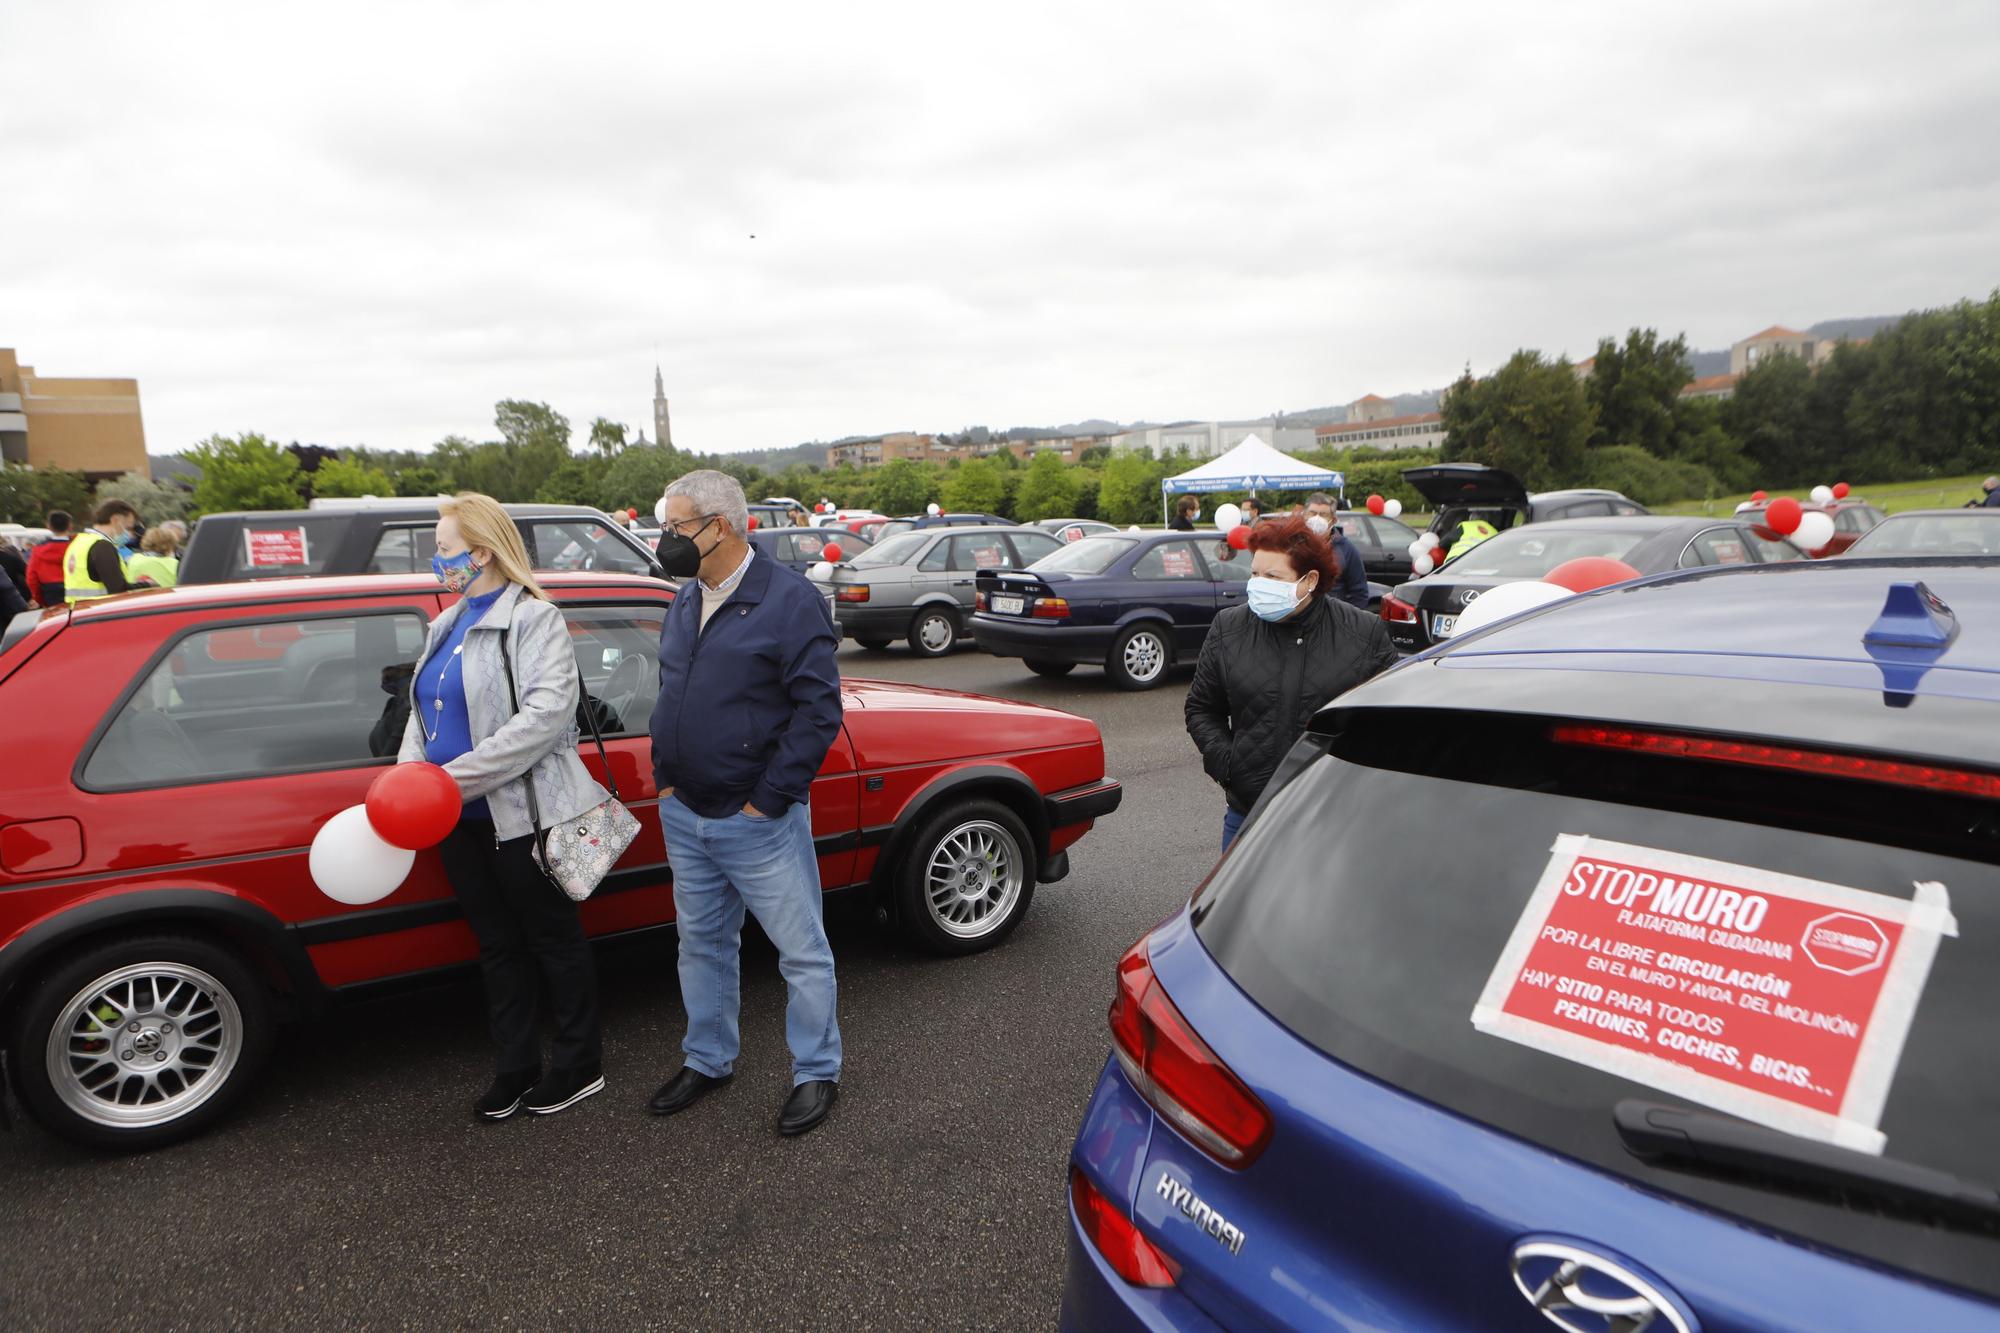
column 1458, row 491
column 1384, row 544
column 1424, row 611
column 802, row 548
column 394, row 538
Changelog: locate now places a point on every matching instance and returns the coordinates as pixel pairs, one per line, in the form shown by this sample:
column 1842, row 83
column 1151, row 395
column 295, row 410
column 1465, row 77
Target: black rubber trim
column 1077, row 804
column 411, row 916
column 847, row 842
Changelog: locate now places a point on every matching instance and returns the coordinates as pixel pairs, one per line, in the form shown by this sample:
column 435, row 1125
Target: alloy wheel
column 1145, row 656
column 144, row 1045
column 974, row 878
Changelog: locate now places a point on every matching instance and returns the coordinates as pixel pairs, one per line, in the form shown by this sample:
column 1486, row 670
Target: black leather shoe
column 504, row 1097
column 807, row 1106
column 564, row 1088
column 684, row 1090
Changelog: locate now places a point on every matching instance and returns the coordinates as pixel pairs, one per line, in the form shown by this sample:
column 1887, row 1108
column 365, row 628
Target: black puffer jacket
column 1258, row 684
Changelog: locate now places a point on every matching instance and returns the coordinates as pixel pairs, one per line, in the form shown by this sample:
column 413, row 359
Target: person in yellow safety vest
column 1470, row 533
column 158, row 561
column 92, row 567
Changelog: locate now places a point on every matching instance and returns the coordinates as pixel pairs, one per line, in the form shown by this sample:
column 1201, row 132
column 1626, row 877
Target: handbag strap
column 583, row 699
column 527, row 778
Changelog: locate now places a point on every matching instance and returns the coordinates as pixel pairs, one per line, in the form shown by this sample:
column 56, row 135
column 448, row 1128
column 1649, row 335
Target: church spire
column 663, row 433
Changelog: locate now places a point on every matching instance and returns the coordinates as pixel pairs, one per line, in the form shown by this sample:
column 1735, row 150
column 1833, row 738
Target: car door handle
column 1232, row 594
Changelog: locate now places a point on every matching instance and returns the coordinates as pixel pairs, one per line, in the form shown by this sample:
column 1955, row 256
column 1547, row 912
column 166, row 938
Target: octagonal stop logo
column 1845, row 943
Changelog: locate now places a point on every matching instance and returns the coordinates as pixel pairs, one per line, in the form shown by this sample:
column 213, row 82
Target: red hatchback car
column 1851, row 517
column 173, row 753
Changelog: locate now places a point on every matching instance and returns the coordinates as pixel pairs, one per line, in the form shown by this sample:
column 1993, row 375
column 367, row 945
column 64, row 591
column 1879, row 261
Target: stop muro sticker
column 1845, row 943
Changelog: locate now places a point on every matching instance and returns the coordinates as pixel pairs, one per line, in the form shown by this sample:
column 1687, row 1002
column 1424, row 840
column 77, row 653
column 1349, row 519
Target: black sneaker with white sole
column 561, row 1089
column 504, row 1097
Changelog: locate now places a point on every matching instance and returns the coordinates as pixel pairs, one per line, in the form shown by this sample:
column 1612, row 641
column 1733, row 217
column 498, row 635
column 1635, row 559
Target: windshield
column 900, row 549
column 1092, row 555
column 1932, row 534
column 1532, row 551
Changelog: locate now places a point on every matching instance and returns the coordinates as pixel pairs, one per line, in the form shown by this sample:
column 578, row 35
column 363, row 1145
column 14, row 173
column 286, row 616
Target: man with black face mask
column 749, row 704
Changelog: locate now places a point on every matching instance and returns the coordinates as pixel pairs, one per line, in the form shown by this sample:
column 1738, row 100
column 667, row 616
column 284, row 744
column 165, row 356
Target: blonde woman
column 158, row 561
column 495, row 736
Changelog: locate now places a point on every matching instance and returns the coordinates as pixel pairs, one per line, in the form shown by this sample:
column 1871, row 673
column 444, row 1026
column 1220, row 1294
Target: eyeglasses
column 700, row 521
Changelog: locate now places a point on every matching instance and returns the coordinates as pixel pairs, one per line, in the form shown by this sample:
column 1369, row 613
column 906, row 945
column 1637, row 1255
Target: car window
column 1716, row 546
column 1532, row 551
column 1092, row 555
column 1625, row 508
column 1170, row 560
column 1226, row 564
column 253, row 700
column 981, row 550
column 1932, row 534
column 1032, row 546
column 1870, row 518
column 1324, row 923
column 900, row 549
column 937, row 559
column 1584, row 509
column 404, row 550
column 618, row 653
column 802, row 543
column 584, row 544
column 1847, row 520
column 281, row 546
column 1771, row 550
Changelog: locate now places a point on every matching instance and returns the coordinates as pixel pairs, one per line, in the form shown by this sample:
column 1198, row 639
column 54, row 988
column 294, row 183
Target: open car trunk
column 1457, row 491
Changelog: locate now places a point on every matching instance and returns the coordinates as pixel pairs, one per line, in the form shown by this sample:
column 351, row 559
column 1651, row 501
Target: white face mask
column 1319, row 525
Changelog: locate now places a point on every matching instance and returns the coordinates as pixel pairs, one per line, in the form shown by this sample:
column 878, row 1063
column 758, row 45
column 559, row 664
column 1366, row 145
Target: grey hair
column 1319, row 498
column 717, row 493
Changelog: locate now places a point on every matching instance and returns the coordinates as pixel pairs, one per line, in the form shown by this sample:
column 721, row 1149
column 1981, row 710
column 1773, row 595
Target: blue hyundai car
column 1626, row 965
column 1134, row 603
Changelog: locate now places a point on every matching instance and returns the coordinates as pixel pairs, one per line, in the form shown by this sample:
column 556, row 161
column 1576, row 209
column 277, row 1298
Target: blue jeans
column 1232, row 824
column 722, row 866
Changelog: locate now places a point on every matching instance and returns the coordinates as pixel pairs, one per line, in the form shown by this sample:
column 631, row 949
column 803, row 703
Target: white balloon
column 1392, row 509
column 660, row 510
column 1227, row 517
column 1815, row 530
column 820, row 570
column 1419, row 551
column 1431, row 541
column 1509, row 599
column 351, row 864
column 933, row 509
column 1421, row 564
column 1133, row 528
column 1822, row 495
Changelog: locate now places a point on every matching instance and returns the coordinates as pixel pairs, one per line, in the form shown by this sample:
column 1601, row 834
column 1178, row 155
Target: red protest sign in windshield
column 1780, row 999
column 274, row 548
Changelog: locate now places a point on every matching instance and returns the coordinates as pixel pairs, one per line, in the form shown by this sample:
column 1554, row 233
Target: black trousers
column 530, row 935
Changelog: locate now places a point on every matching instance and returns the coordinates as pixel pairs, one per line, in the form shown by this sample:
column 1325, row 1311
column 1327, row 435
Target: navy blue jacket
column 748, row 707
column 1353, row 588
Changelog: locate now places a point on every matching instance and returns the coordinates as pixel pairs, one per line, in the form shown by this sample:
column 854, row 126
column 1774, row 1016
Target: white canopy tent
column 1252, row 466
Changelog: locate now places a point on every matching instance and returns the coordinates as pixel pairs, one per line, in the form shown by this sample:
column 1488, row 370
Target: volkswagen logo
column 1588, row 1293
column 1465, row 596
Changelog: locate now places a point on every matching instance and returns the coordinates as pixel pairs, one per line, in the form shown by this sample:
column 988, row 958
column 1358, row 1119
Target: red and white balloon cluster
column 1424, row 555
column 363, row 853
column 829, row 556
column 1808, row 529
column 1583, row 574
column 1382, row 508
column 1229, row 522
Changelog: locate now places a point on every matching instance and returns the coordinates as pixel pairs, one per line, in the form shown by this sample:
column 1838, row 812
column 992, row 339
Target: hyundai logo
column 1588, row 1293
column 1466, row 595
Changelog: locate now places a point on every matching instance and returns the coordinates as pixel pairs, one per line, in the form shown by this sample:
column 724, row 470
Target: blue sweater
column 441, row 681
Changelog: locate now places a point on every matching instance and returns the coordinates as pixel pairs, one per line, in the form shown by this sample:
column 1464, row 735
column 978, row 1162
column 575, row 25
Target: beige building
column 880, row 449
column 1778, row 341
column 1371, row 407
column 1423, row 430
column 1710, row 386
column 90, row 426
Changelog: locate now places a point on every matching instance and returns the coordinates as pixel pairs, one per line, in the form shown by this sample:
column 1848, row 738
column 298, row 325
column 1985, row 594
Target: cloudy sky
column 362, row 224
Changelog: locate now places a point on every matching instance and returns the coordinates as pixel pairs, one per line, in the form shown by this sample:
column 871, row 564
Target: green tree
column 1770, row 414
column 27, row 494
column 607, row 437
column 903, row 486
column 421, row 481
column 577, row 480
column 976, row 486
column 350, row 477
column 526, row 425
column 637, row 477
column 1530, row 417
column 156, row 501
column 1636, row 389
column 1049, row 490
column 244, row 472
column 1128, row 490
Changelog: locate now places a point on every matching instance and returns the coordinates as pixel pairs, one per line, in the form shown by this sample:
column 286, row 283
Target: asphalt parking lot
column 354, row 1188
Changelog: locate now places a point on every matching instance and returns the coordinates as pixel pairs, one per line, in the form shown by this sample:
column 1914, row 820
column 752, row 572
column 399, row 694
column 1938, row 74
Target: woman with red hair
column 1267, row 667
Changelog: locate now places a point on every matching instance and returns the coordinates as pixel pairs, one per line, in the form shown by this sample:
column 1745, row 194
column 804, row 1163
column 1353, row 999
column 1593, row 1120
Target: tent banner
column 1310, row 481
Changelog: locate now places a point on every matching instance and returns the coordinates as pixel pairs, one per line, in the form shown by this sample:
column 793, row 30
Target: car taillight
column 979, row 601
column 851, row 592
column 1130, row 1254
column 1176, row 1072
column 1825, row 763
column 1395, row 608
column 1051, row 608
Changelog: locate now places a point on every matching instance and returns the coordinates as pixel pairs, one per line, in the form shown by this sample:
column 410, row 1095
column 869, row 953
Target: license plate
column 1010, row 606
column 1442, row 626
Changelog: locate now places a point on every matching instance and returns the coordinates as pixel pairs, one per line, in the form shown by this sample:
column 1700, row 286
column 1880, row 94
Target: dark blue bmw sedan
column 1629, row 964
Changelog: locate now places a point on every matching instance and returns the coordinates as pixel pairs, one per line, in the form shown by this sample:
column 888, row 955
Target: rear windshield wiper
column 1723, row 1145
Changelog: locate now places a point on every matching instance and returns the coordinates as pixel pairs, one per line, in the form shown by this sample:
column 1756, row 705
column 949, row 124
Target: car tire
column 207, row 1038
column 1041, row 666
column 874, row 645
column 966, row 879
column 934, row 631
column 1139, row 658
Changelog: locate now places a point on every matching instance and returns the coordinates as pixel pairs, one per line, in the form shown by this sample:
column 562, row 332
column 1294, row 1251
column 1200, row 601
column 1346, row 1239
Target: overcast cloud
column 363, row 224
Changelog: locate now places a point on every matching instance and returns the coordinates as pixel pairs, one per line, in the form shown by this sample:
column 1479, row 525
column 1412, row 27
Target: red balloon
column 631, row 513
column 1760, row 496
column 1840, row 490
column 1238, row 537
column 1375, row 503
column 413, row 806
column 1783, row 516
column 830, row 551
column 753, row 522
column 1589, row 571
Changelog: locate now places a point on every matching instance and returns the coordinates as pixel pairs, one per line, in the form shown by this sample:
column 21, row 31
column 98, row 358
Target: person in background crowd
column 1466, row 534
column 798, row 517
column 158, row 561
column 749, row 704
column 180, row 531
column 92, row 567
column 13, row 595
column 1253, row 510
column 495, row 704
column 1992, row 488
column 45, row 562
column 1186, row 511
column 15, row 566
column 1353, row 574
column 1267, row 666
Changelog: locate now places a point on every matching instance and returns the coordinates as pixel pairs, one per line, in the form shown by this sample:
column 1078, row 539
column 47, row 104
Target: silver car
column 919, row 585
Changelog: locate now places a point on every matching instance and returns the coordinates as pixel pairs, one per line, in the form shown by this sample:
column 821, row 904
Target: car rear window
column 1369, row 902
column 1931, row 534
column 897, row 550
column 1532, row 551
column 1092, row 555
column 280, row 547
